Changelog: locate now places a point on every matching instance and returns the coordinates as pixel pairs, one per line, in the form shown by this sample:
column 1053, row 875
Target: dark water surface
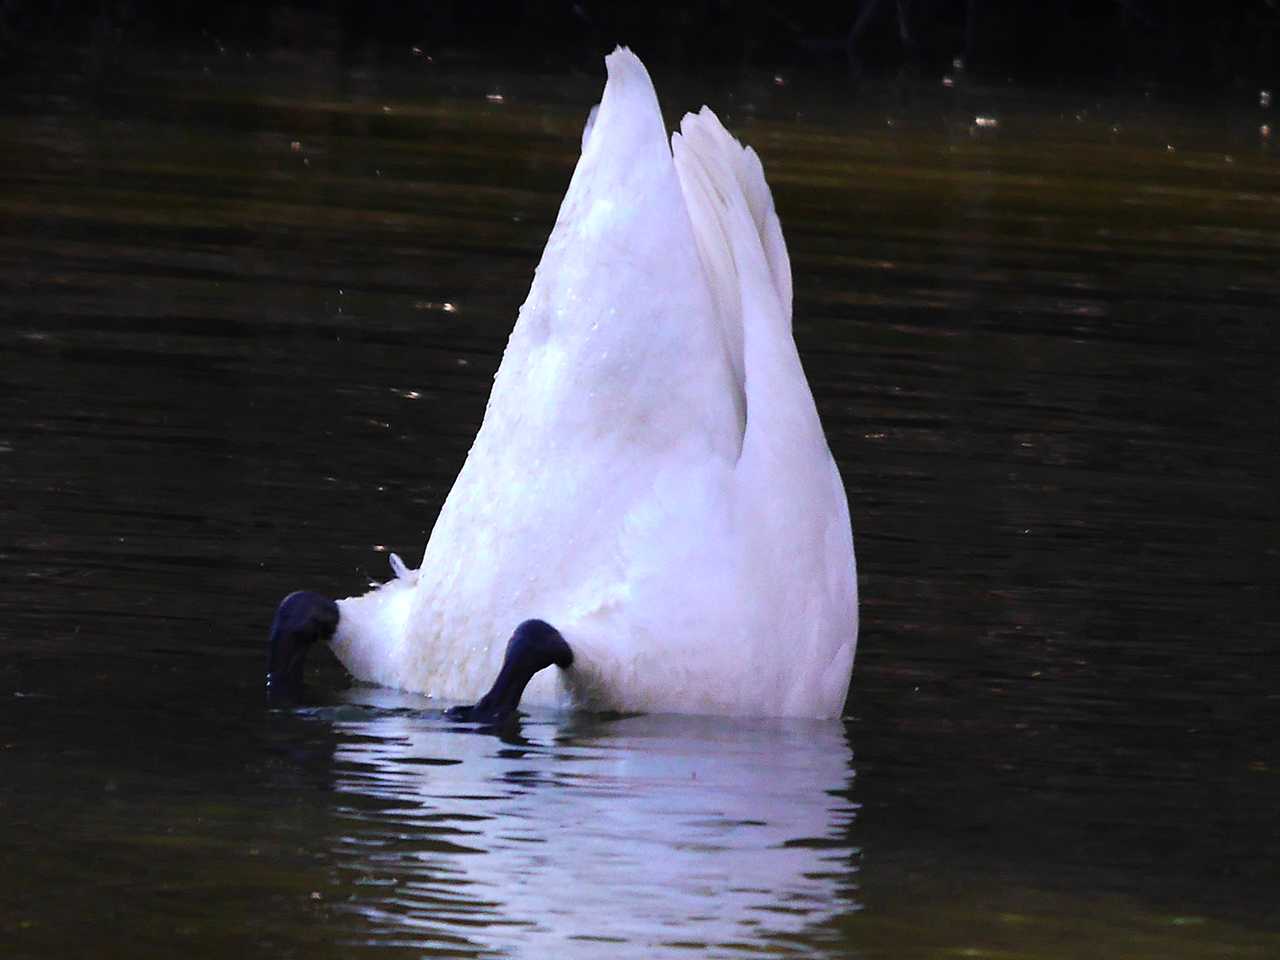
column 250, row 317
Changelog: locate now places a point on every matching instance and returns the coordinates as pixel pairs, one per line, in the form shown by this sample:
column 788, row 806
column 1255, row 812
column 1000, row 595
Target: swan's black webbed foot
column 302, row 619
column 534, row 646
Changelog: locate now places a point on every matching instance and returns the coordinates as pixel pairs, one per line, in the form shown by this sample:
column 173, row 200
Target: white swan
column 651, row 476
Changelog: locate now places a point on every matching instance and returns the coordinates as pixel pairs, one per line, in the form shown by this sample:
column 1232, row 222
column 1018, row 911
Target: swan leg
column 534, row 646
column 303, row 619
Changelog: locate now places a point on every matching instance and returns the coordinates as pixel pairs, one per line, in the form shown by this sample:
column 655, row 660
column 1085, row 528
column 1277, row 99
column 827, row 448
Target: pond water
column 251, row 314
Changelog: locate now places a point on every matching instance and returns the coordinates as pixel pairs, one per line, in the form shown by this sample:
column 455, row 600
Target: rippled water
column 251, row 313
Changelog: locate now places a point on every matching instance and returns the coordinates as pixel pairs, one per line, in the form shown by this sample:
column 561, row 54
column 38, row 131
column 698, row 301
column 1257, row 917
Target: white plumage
column 651, row 477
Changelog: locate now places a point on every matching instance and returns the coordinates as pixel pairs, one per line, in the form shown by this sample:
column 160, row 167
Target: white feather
column 651, row 476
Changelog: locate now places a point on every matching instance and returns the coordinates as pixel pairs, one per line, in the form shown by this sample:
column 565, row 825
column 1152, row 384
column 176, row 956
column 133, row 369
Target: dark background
column 1188, row 44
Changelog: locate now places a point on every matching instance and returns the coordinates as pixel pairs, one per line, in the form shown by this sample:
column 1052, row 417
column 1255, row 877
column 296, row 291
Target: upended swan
column 651, row 482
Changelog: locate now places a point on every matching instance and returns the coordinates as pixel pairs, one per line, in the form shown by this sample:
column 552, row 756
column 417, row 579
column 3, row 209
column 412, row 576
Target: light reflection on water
column 640, row 831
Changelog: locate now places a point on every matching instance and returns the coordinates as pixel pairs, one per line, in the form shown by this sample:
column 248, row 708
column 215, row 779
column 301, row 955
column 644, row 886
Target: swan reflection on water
column 566, row 831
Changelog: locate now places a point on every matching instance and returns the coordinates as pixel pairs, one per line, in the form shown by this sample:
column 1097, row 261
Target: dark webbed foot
column 534, row 646
column 302, row 619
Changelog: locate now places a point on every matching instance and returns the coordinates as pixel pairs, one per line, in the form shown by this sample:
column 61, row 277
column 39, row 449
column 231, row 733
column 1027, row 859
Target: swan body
column 651, row 475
